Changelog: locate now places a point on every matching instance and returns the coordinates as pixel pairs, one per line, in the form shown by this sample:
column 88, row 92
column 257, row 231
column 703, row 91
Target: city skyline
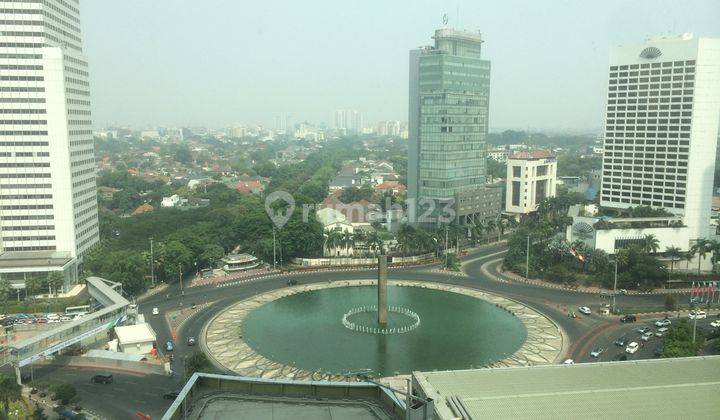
column 282, row 71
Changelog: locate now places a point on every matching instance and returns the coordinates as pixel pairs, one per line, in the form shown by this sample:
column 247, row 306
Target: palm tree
column 651, row 244
column 701, row 248
column 674, row 254
column 359, row 237
column 333, row 240
column 689, row 255
column 714, row 247
column 490, row 226
column 373, row 241
column 478, row 230
column 622, row 257
column 347, row 241
column 406, row 237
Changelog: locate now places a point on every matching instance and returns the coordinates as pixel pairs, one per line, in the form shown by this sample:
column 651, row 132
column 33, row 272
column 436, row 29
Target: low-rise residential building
column 172, row 201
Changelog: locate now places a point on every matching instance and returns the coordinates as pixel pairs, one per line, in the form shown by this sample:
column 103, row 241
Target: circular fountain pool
column 453, row 331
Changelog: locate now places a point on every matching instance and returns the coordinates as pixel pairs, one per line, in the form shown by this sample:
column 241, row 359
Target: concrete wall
column 343, row 261
column 203, row 384
column 137, row 348
column 667, row 236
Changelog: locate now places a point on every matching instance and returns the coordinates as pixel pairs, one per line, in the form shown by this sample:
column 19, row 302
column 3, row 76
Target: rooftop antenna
column 445, row 20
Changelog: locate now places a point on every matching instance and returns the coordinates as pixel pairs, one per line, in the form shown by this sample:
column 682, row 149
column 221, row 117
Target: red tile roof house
column 394, row 186
column 251, row 186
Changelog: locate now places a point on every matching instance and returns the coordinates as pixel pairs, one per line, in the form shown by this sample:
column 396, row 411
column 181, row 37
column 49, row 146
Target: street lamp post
column 274, row 259
column 527, row 259
column 614, row 285
column 446, row 247
column 152, row 263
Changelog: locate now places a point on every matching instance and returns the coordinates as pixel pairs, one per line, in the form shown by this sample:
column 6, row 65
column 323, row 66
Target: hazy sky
column 221, row 62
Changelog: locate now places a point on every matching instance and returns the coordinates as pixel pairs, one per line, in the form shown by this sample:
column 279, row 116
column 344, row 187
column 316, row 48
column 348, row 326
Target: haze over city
column 180, row 62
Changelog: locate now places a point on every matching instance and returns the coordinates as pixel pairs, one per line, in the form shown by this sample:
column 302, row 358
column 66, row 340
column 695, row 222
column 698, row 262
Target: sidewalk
column 510, row 276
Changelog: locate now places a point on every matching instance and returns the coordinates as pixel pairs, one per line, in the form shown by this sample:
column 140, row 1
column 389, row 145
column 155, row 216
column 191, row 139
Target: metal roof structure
column 660, row 388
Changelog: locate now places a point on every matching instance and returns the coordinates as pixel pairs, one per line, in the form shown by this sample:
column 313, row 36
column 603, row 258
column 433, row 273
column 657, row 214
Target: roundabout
column 324, row 331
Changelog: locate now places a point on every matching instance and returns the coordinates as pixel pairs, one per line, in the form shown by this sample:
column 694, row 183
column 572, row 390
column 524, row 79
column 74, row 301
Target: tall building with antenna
column 48, row 196
column 448, row 125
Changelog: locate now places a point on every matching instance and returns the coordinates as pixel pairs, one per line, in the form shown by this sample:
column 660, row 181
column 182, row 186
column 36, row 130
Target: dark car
column 291, row 282
column 102, row 378
column 621, row 342
column 628, row 318
column 171, row 395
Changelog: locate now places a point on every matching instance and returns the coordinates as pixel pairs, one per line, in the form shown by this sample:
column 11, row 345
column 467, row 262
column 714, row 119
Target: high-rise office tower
column 48, row 204
column 661, row 129
column 448, row 124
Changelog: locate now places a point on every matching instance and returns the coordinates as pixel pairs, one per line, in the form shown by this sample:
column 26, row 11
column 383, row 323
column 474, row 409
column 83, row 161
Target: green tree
column 32, row 285
column 64, row 392
column 39, row 413
column 679, row 343
column 4, row 292
column 211, row 255
column 176, row 258
column 651, row 243
column 674, row 254
column 9, row 391
column 333, row 240
column 55, row 281
column 197, row 362
column 701, row 249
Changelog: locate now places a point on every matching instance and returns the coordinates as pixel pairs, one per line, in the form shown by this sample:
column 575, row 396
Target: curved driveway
column 555, row 303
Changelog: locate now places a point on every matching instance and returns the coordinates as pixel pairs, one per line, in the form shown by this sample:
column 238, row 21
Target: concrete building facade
column 48, row 195
column 530, row 179
column 448, row 124
column 661, row 129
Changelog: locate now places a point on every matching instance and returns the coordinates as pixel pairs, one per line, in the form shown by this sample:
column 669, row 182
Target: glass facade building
column 449, row 100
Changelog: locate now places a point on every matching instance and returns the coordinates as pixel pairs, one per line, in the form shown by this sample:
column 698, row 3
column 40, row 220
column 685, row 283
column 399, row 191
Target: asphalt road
column 130, row 394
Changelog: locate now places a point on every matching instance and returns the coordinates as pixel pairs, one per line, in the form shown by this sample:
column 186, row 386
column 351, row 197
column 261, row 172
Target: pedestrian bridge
column 113, row 311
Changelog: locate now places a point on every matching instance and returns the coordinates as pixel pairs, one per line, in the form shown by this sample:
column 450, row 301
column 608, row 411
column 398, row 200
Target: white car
column 661, row 331
column 697, row 315
column 569, row 362
column 715, row 324
column 647, row 336
column 156, row 311
column 662, row 322
column 585, row 310
column 65, row 318
column 632, row 348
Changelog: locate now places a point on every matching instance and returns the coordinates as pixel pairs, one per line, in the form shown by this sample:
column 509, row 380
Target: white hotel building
column 48, row 204
column 661, row 129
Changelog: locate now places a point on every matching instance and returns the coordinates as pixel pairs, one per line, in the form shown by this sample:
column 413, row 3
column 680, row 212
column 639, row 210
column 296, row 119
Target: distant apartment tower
column 48, row 196
column 661, row 129
column 349, row 120
column 530, row 179
column 447, row 130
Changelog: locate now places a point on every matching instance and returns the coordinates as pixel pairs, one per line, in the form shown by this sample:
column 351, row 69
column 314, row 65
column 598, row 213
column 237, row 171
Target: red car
column 41, row 321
